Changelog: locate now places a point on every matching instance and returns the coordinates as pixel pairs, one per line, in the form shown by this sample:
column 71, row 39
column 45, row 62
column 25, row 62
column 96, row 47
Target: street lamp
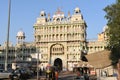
column 38, row 54
column 8, row 30
column 37, row 64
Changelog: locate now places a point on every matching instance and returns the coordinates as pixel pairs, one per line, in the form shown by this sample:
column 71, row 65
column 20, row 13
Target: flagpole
column 8, row 30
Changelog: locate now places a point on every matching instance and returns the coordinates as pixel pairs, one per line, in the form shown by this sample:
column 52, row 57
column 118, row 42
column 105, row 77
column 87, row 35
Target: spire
column 59, row 11
column 48, row 14
column 48, row 17
column 68, row 13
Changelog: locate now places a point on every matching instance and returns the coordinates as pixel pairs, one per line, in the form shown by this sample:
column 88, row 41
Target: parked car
column 5, row 75
column 1, row 70
column 21, row 74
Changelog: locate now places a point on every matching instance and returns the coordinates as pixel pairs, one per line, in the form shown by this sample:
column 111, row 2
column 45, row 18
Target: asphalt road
column 67, row 78
column 62, row 76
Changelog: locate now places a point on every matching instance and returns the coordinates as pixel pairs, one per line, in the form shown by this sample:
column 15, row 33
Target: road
column 62, row 76
column 67, row 78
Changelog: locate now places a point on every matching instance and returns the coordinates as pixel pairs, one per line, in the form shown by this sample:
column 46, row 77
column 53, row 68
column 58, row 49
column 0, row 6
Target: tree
column 113, row 31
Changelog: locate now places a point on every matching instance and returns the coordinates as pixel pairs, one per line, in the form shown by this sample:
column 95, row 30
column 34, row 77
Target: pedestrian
column 86, row 76
column 78, row 74
column 56, row 75
column 40, row 72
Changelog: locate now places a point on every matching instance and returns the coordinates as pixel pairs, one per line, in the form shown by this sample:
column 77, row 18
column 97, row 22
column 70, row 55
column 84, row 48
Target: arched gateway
column 58, row 63
column 56, row 55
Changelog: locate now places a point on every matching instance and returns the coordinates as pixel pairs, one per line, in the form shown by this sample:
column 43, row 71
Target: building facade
column 21, row 51
column 59, row 40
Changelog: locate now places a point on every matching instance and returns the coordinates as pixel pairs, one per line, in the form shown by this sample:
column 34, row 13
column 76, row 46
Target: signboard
column 92, row 72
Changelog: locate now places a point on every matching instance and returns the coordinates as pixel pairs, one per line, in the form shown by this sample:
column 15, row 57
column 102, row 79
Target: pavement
column 107, row 78
column 61, row 74
column 68, row 73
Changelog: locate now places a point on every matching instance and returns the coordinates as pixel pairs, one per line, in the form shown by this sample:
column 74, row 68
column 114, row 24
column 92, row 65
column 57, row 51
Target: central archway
column 58, row 64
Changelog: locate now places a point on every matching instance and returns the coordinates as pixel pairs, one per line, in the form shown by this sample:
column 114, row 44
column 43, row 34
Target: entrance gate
column 58, row 64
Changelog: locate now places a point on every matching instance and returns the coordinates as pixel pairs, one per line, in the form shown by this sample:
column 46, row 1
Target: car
column 5, row 75
column 1, row 70
column 21, row 74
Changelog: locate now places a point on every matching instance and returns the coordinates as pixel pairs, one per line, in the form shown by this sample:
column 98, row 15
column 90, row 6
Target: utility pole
column 37, row 65
column 8, row 30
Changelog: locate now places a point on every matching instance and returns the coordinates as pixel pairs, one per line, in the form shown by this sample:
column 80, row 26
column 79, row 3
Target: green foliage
column 113, row 32
column 115, row 55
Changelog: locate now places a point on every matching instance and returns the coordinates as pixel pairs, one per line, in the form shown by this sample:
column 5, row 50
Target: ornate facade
column 59, row 39
column 22, row 51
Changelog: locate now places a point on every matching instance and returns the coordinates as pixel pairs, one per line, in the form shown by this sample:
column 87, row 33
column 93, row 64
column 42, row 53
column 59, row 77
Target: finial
column 68, row 13
column 59, row 11
column 48, row 17
column 48, row 14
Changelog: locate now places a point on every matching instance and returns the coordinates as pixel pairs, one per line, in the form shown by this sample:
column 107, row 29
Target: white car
column 5, row 75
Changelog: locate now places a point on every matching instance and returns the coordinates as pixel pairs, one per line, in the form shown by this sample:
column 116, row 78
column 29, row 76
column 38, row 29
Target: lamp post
column 38, row 54
column 8, row 30
column 15, row 57
column 37, row 64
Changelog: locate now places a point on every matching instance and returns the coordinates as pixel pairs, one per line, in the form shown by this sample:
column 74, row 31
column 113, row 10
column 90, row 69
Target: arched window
column 58, row 19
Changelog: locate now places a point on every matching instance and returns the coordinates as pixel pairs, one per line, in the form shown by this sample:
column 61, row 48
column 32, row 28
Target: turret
column 77, row 16
column 20, row 37
column 42, row 19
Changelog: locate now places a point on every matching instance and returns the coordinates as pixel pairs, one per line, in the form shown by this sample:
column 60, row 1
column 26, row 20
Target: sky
column 25, row 12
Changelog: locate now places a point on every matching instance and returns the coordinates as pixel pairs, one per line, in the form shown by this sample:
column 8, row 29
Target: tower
column 60, row 38
column 20, row 37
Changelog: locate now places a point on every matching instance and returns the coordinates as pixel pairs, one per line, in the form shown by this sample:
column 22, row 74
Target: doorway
column 58, row 64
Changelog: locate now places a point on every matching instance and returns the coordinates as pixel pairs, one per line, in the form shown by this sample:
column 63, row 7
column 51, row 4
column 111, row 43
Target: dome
column 20, row 33
column 105, row 28
column 77, row 10
column 42, row 13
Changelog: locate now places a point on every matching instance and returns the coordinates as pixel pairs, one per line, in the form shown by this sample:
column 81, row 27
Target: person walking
column 56, row 75
column 86, row 76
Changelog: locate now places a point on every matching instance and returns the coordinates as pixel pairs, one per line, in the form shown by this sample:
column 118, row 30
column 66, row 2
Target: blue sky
column 25, row 12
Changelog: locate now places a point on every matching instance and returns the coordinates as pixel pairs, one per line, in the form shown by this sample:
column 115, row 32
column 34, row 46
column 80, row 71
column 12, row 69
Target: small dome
column 20, row 33
column 105, row 28
column 77, row 10
column 42, row 13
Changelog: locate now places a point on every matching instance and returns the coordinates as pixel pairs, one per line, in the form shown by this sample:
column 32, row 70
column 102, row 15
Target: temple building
column 20, row 52
column 59, row 40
